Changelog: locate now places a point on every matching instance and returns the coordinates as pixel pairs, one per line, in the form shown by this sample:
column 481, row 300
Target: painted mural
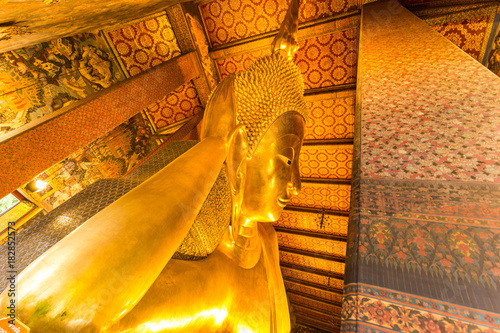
column 40, row 79
column 467, row 26
column 110, row 156
column 492, row 59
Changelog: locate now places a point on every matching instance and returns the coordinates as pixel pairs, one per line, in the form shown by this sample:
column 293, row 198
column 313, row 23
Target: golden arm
column 96, row 274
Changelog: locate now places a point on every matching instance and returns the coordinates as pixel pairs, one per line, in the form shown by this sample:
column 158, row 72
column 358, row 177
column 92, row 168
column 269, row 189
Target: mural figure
column 12, row 29
column 115, row 273
column 494, row 57
column 95, row 67
column 40, row 79
column 111, row 156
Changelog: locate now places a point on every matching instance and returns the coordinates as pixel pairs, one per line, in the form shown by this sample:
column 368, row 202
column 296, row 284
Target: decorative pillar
column 424, row 234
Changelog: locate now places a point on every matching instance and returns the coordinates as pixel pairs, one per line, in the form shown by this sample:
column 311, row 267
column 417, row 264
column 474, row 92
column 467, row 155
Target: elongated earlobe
column 237, row 149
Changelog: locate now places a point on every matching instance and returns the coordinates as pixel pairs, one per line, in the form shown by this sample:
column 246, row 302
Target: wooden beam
column 328, row 142
column 312, row 308
column 313, row 271
column 306, row 322
column 315, row 298
column 316, row 211
column 337, row 238
column 42, row 143
column 331, row 89
column 302, row 27
column 326, row 181
column 325, row 329
column 320, row 27
column 314, row 285
column 333, row 322
column 312, row 254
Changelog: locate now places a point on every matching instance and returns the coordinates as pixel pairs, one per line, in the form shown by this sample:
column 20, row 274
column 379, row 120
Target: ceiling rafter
column 330, row 89
column 315, row 298
column 334, row 322
column 316, row 211
column 328, row 142
column 307, row 322
column 313, row 271
column 314, row 309
column 314, row 285
column 311, row 234
column 312, row 254
column 326, row 181
column 302, row 27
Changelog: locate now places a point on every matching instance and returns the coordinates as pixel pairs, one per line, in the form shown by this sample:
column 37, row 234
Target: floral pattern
column 465, row 252
column 391, row 310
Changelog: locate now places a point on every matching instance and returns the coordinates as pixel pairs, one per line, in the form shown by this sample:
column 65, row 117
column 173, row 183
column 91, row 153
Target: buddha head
column 261, row 112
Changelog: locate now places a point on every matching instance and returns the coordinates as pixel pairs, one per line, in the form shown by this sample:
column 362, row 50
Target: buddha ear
column 237, row 149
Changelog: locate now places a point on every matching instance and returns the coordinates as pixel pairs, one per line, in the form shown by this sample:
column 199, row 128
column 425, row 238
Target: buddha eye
column 285, row 159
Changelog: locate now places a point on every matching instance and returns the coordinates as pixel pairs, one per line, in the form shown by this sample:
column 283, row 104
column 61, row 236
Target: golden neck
column 242, row 242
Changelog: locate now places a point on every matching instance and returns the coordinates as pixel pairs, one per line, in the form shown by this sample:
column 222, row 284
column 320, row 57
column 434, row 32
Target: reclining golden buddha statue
column 118, row 273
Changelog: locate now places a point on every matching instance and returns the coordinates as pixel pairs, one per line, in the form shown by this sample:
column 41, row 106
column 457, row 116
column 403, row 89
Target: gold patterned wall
column 180, row 104
column 327, row 162
column 316, row 222
column 327, row 196
column 320, row 265
column 328, row 60
column 228, row 20
column 145, row 44
column 324, row 61
column 238, row 63
column 330, row 119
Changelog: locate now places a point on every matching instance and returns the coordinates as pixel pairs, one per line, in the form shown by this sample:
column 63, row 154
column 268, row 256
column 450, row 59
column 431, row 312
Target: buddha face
column 272, row 175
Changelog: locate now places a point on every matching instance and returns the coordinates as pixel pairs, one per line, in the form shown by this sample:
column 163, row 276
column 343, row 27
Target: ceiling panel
column 239, row 63
column 313, row 263
column 318, row 305
column 327, row 196
column 230, row 20
column 316, row 222
column 330, row 119
column 318, row 245
column 314, row 314
column 145, row 44
column 313, row 278
column 180, row 104
column 332, row 162
column 328, row 60
column 332, row 326
column 329, row 296
column 468, row 28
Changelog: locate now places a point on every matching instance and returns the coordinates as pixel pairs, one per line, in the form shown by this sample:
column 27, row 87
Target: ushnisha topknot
column 271, row 86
